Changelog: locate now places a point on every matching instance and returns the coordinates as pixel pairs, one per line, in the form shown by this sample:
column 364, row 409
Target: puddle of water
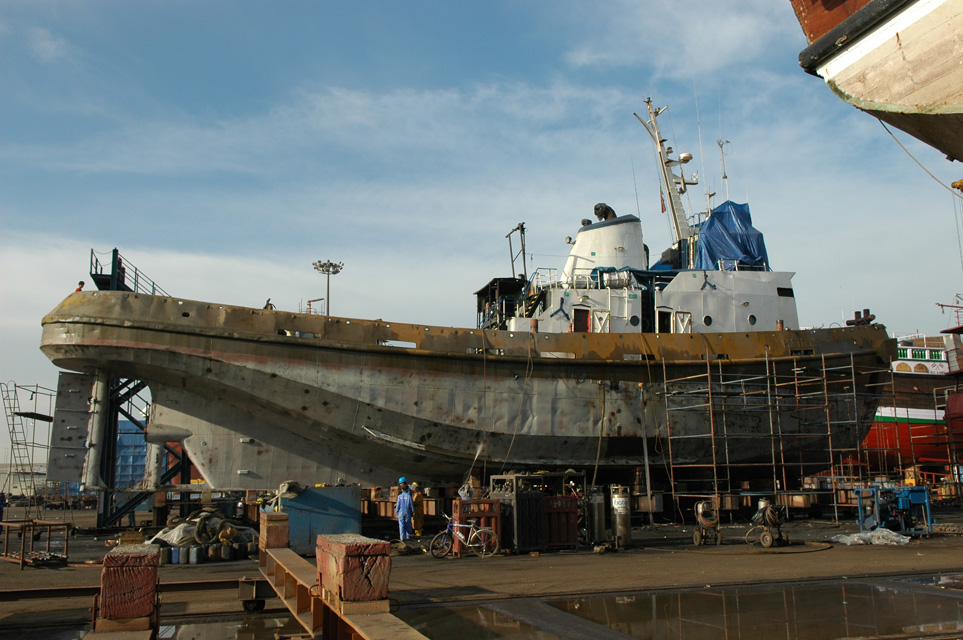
column 256, row 629
column 45, row 633
column 808, row 612
column 476, row 623
column 952, row 581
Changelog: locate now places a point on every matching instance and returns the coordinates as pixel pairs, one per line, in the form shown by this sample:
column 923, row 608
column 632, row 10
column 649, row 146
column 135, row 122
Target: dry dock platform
column 532, row 591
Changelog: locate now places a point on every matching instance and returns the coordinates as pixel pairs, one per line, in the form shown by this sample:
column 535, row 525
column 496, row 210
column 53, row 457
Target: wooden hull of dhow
column 260, row 396
column 897, row 60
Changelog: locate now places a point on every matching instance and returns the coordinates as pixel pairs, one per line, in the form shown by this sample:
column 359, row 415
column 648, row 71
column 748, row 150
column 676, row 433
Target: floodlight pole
column 328, row 268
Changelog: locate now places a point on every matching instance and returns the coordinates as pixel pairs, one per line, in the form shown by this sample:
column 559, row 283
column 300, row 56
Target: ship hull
column 897, row 60
column 909, row 428
column 257, row 397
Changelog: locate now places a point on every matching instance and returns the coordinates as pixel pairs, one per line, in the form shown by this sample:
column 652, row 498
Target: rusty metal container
column 487, row 513
column 561, row 522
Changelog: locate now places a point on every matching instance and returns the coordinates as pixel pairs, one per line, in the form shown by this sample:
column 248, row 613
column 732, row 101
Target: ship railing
column 733, row 264
column 122, row 274
column 543, row 278
column 580, row 280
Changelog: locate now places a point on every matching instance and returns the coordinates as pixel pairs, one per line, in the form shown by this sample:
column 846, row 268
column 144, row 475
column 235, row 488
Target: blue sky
column 226, row 146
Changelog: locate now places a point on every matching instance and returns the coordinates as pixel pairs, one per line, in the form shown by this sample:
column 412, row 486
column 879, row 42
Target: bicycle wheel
column 483, row 542
column 440, row 545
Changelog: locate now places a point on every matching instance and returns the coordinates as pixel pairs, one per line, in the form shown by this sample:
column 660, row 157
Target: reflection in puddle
column 951, row 581
column 808, row 612
column 248, row 629
column 474, row 623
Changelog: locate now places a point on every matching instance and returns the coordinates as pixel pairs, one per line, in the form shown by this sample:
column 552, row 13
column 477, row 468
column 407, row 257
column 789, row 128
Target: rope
column 484, row 420
column 707, row 516
column 598, row 453
column 529, row 370
column 920, row 164
column 773, row 516
column 956, row 222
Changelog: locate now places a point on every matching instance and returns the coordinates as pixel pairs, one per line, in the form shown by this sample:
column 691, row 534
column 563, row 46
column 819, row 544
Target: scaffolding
column 948, row 435
column 29, row 412
column 792, row 431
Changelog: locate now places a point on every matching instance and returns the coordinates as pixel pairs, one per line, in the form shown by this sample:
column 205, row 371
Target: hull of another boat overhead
column 897, row 60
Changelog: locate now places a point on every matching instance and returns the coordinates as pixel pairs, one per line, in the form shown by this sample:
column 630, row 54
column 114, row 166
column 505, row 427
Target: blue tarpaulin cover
column 728, row 238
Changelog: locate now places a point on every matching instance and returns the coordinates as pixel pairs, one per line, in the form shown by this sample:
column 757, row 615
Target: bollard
column 274, row 531
column 353, row 568
column 128, row 589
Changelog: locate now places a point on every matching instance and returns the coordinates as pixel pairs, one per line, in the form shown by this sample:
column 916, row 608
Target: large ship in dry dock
column 608, row 366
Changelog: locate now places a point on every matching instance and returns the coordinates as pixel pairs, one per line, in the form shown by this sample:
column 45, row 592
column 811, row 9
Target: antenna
column 635, row 183
column 702, row 151
column 674, row 185
column 520, row 228
column 722, row 156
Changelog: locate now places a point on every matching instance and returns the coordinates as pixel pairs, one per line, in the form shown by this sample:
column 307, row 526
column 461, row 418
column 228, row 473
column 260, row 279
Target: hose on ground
column 706, row 515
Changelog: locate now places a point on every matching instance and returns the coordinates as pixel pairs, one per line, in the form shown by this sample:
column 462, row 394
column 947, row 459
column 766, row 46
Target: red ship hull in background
column 919, row 422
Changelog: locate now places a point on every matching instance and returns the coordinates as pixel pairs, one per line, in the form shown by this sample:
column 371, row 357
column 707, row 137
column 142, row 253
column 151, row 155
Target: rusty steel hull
column 257, row 395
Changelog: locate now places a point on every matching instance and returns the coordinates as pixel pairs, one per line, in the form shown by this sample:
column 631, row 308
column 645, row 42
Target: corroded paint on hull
column 343, row 392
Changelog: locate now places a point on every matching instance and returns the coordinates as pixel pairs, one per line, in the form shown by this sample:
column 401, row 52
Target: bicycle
column 483, row 541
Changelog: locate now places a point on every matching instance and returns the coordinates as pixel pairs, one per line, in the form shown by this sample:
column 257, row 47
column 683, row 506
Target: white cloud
column 47, row 47
column 682, row 39
column 332, row 126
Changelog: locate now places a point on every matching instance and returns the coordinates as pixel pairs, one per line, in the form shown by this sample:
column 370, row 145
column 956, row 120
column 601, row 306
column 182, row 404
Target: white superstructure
column 608, row 286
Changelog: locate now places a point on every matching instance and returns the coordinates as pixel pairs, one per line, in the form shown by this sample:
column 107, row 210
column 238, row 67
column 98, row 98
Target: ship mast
column 674, row 185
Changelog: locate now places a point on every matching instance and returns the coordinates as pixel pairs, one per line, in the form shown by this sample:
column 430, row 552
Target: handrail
column 123, row 274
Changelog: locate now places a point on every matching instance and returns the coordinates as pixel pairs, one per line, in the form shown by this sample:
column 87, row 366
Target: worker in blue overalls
column 404, row 509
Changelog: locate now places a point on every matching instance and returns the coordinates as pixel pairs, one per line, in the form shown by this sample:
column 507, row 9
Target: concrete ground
column 662, row 557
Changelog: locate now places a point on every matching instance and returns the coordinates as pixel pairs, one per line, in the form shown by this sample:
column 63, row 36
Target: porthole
column 752, row 319
column 707, row 320
column 634, row 321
